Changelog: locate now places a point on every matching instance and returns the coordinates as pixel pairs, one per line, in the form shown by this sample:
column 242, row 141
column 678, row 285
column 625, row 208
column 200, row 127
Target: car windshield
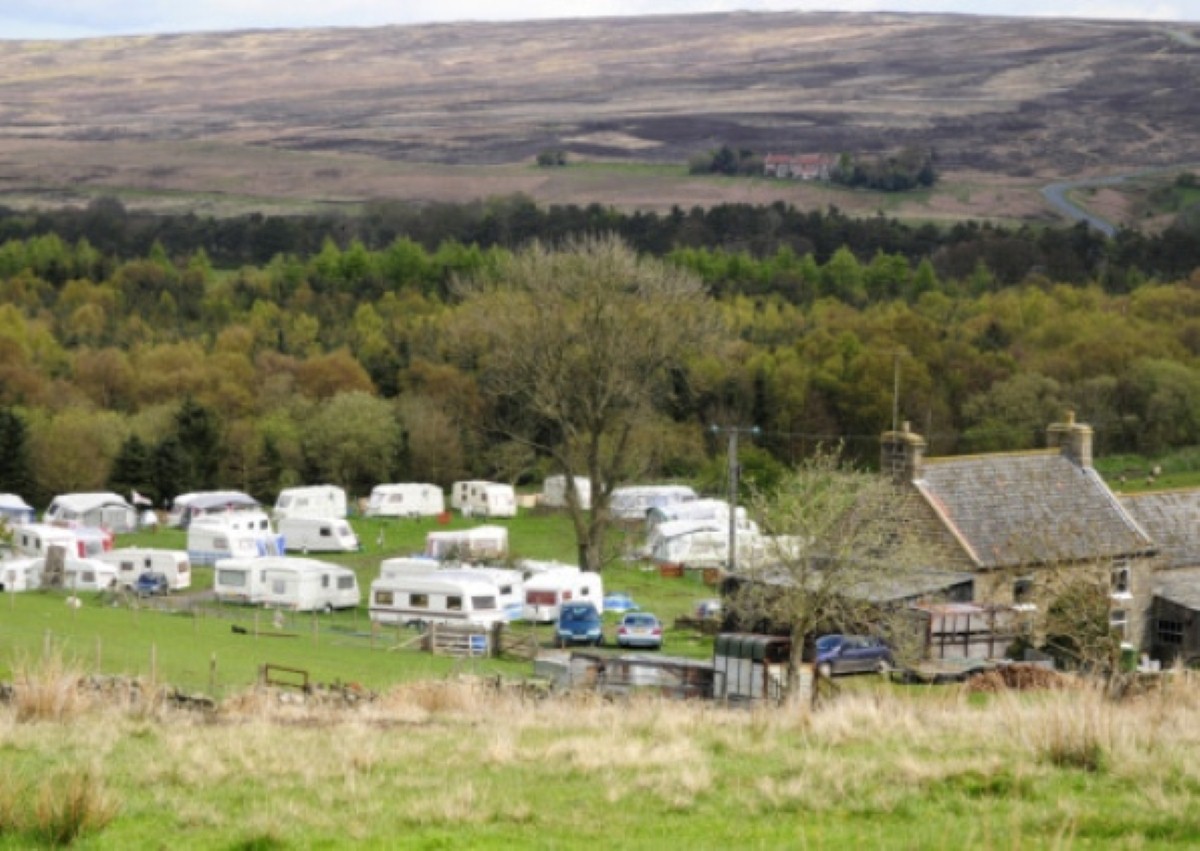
column 640, row 620
column 828, row 642
column 578, row 613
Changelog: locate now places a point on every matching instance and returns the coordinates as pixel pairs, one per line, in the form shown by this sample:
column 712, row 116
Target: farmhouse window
column 1118, row 621
column 454, row 603
column 419, row 601
column 1023, row 590
column 1170, row 632
column 1120, row 581
column 384, row 598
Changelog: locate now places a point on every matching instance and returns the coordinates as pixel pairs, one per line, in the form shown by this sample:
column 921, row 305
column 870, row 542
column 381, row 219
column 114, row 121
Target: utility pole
column 734, row 474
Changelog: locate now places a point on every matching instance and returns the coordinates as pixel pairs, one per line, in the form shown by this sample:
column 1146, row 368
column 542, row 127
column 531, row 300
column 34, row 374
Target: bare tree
column 832, row 559
column 576, row 347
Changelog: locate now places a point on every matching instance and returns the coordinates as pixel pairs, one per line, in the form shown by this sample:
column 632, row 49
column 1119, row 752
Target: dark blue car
column 578, row 623
column 849, row 654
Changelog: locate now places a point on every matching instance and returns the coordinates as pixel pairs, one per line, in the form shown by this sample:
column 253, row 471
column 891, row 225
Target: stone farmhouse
column 1027, row 524
column 800, row 166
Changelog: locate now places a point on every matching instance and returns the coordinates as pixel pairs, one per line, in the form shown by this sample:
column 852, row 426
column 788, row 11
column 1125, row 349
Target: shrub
column 70, row 806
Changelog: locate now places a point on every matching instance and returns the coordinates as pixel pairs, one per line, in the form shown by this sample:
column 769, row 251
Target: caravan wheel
column 328, row 609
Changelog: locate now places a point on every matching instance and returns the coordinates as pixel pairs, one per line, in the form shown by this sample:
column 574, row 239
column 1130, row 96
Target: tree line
column 338, row 364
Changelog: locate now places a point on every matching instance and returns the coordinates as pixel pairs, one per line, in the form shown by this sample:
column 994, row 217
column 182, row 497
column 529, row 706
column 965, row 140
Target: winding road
column 1056, row 196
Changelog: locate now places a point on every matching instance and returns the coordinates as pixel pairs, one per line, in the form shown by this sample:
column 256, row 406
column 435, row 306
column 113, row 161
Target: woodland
column 166, row 354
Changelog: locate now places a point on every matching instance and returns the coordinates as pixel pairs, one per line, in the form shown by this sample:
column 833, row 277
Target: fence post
column 212, row 675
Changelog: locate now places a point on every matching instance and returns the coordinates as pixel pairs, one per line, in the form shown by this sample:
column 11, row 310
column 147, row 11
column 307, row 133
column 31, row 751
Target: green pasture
column 200, row 645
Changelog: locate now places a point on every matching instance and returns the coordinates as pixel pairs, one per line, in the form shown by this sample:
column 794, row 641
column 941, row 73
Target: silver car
column 640, row 629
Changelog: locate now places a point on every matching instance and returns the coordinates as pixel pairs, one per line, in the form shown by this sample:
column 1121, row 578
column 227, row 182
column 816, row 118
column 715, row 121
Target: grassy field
column 198, row 648
column 456, row 764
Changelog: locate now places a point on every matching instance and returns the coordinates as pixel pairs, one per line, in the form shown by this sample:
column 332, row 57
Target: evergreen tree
column 168, row 470
column 15, row 472
column 200, row 445
column 131, row 468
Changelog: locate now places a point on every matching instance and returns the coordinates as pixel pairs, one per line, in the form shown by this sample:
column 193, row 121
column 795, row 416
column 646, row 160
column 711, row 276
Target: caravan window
column 483, row 603
column 127, row 567
column 345, row 583
column 418, row 601
column 231, row 578
column 262, row 524
column 279, row 586
column 384, row 598
column 505, row 590
column 540, row 598
column 182, row 568
column 324, row 580
column 325, row 532
column 396, row 497
column 220, row 543
column 285, row 501
column 454, row 603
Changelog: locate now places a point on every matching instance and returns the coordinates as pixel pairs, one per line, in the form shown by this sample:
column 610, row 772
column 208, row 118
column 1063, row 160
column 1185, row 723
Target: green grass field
column 198, row 649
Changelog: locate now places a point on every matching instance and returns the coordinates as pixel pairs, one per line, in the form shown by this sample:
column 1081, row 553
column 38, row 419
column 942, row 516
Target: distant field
column 299, row 120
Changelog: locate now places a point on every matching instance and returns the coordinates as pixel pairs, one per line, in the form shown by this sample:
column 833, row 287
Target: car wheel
column 825, row 670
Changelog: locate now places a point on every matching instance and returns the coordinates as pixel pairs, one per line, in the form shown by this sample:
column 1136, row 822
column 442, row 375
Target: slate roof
column 1029, row 508
column 1181, row 587
column 1172, row 519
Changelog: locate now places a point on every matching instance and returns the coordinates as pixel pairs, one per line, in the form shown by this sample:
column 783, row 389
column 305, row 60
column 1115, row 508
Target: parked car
column 152, row 584
column 578, row 623
column 619, row 601
column 640, row 629
column 848, row 654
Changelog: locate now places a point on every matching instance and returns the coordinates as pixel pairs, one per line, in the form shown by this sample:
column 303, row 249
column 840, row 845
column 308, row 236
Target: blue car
column 849, row 654
column 578, row 623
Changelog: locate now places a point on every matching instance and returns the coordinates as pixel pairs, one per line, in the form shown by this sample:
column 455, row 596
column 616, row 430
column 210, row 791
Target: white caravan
column 545, row 592
column 439, row 597
column 20, row 574
column 328, row 501
column 698, row 544
column 15, row 510
column 317, row 535
column 240, row 580
column 406, row 500
column 35, row 540
column 715, row 510
column 484, row 499
column 234, row 534
column 109, row 510
column 87, row 574
column 635, row 502
column 509, row 583
column 479, row 544
column 132, row 562
column 554, row 492
column 188, row 506
column 307, row 585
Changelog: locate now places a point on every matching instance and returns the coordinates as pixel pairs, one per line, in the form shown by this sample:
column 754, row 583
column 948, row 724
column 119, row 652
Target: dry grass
column 459, row 758
column 47, row 688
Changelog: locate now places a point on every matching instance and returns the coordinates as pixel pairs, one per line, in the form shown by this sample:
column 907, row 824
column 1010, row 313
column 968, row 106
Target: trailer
column 189, row 506
column 35, row 539
column 439, row 597
column 20, row 574
column 318, row 535
column 15, row 510
column 132, row 562
column 478, row 544
column 307, row 585
column 234, row 534
column 634, row 502
column 747, row 666
column 545, row 592
column 324, row 501
column 240, row 580
column 554, row 492
column 406, row 500
column 109, row 510
column 484, row 499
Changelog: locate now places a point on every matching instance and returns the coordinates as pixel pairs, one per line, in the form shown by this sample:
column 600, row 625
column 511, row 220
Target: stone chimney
column 1072, row 439
column 902, row 454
